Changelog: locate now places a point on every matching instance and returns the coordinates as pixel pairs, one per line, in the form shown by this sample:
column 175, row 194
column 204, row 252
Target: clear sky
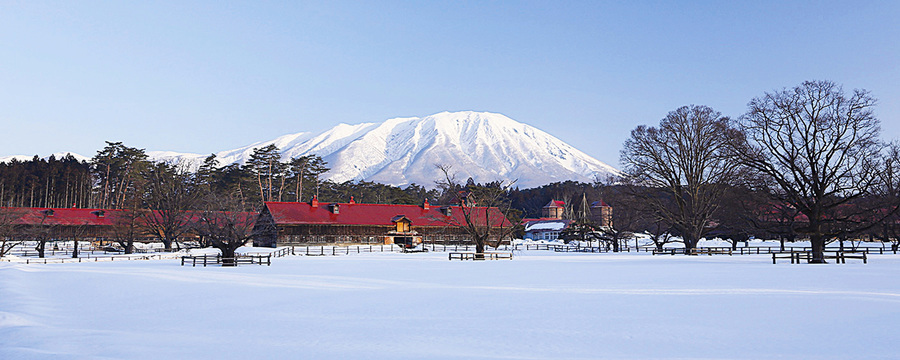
column 209, row 76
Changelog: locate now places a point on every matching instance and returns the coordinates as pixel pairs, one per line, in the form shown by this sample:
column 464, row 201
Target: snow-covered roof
column 550, row 225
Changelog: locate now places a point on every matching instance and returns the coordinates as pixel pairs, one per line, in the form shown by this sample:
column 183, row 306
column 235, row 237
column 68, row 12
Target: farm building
column 89, row 224
column 287, row 223
column 62, row 223
column 553, row 221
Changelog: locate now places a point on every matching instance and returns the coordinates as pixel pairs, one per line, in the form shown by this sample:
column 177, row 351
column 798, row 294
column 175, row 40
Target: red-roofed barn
column 287, row 223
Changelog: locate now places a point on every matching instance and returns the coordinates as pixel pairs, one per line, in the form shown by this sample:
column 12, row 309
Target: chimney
column 351, row 200
column 315, row 201
column 426, row 205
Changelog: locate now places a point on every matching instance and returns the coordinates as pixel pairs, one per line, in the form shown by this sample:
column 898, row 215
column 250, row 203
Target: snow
column 546, row 225
column 401, row 151
column 58, row 156
column 541, row 305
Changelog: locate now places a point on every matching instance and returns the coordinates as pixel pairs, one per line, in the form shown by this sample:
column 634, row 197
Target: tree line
column 118, row 175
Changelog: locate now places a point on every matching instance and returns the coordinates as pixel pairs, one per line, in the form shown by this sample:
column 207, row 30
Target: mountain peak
column 400, row 151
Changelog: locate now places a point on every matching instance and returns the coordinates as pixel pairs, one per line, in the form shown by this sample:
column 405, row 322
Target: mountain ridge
column 405, row 150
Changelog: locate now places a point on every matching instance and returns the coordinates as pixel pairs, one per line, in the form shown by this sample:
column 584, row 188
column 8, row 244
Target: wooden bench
column 201, row 259
column 483, row 256
column 793, row 255
column 839, row 257
column 666, row 251
column 711, row 251
column 251, row 259
column 218, row 259
column 842, row 256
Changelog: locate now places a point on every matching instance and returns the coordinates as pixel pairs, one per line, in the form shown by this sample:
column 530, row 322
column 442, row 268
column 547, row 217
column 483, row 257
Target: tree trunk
column 818, row 249
column 689, row 244
column 129, row 247
column 479, row 249
column 781, row 238
column 41, row 246
column 75, row 250
column 228, row 256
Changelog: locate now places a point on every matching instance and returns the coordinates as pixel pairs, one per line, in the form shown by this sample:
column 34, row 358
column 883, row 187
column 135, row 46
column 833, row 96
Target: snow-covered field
column 541, row 305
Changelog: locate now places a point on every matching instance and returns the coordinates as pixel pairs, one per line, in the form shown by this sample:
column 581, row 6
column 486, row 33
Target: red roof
column 294, row 213
column 76, row 216
column 555, row 203
column 64, row 216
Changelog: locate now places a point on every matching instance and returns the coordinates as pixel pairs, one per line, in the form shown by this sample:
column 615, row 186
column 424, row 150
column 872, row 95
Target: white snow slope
column 58, row 156
column 484, row 146
column 541, row 305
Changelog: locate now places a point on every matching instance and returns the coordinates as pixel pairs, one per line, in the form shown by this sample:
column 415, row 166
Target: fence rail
column 218, row 259
column 480, row 256
column 55, row 260
column 839, row 257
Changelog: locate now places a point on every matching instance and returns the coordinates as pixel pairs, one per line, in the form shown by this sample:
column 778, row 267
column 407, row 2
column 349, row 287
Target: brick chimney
column 426, row 205
column 315, row 201
column 351, row 200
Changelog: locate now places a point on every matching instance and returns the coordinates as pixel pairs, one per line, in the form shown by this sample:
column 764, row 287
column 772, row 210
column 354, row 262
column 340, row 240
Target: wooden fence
column 65, row 260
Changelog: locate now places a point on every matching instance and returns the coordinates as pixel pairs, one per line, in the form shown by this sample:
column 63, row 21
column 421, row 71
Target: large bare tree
column 170, row 196
column 485, row 211
column 43, row 231
column 686, row 157
column 127, row 226
column 227, row 223
column 819, row 148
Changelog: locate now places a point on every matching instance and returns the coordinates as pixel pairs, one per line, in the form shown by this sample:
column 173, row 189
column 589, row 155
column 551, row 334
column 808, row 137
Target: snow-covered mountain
column 402, row 151
column 484, row 146
column 58, row 156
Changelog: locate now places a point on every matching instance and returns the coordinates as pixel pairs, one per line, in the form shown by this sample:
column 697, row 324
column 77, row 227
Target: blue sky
column 209, row 76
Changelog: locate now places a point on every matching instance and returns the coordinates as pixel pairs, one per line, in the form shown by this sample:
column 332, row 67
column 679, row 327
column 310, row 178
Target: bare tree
column 628, row 211
column 584, row 228
column 42, row 231
column 227, row 223
column 686, row 156
column 126, row 226
column 485, row 211
column 887, row 194
column 170, row 196
column 10, row 229
column 76, row 232
column 819, row 148
column 644, row 216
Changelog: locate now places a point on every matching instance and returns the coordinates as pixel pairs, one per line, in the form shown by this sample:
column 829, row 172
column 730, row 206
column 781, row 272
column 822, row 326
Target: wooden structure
column 304, row 223
column 65, row 223
column 555, row 209
column 88, row 224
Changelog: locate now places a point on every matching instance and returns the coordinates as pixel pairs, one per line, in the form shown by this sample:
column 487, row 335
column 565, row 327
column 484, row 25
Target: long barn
column 294, row 223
